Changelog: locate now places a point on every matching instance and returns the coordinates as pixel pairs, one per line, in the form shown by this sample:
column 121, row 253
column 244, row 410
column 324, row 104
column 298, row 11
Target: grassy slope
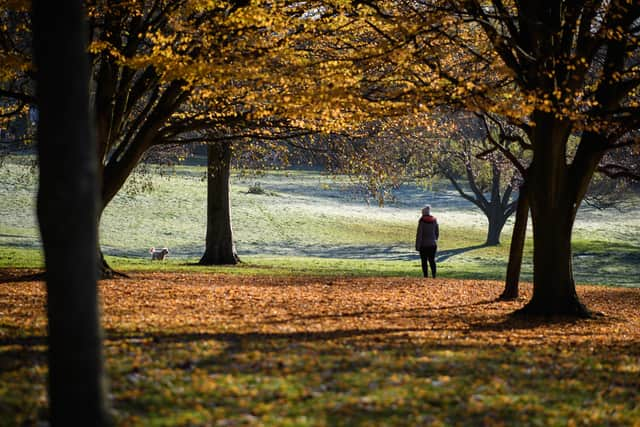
column 307, row 223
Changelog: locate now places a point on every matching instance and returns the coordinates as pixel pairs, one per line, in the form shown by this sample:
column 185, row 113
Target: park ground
column 308, row 223
column 194, row 349
column 327, row 321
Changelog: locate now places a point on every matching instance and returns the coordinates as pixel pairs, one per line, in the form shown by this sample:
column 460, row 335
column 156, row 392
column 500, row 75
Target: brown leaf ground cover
column 224, row 350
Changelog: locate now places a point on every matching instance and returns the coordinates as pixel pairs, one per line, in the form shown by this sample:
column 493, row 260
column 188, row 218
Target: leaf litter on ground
column 215, row 349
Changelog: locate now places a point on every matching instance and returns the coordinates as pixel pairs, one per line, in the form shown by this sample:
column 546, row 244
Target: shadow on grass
column 397, row 252
column 382, row 375
column 446, row 254
column 353, row 377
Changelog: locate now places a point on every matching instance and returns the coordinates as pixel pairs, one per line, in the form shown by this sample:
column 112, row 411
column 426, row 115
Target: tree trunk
column 497, row 209
column 497, row 220
column 67, row 207
column 511, row 288
column 554, row 289
column 105, row 271
column 494, row 210
column 220, row 248
column 553, row 209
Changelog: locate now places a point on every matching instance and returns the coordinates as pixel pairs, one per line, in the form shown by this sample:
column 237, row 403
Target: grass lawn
column 312, row 224
column 326, row 322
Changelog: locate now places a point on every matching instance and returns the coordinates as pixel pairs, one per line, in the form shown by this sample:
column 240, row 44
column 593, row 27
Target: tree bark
column 67, row 208
column 105, row 271
column 553, row 207
column 497, row 209
column 497, row 219
column 511, row 288
column 121, row 163
column 220, row 248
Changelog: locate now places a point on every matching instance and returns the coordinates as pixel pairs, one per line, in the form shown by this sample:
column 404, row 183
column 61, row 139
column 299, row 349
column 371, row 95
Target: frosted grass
column 309, row 214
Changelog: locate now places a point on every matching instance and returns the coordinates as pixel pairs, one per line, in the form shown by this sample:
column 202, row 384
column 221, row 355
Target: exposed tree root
column 106, row 272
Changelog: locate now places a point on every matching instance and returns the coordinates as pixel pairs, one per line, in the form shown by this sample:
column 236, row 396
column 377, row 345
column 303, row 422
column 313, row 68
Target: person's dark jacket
column 428, row 232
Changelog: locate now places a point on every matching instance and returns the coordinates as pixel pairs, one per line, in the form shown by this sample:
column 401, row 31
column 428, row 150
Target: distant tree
column 220, row 248
column 67, row 208
column 219, row 244
column 398, row 150
column 471, row 158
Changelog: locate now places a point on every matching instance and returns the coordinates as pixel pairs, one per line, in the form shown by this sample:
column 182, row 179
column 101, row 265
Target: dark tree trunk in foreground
column 555, row 192
column 67, row 207
column 518, row 237
column 552, row 216
column 220, row 248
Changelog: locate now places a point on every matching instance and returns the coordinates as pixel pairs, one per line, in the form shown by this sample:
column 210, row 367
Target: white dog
column 158, row 254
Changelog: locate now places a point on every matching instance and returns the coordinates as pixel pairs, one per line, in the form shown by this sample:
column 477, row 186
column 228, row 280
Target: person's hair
column 426, row 210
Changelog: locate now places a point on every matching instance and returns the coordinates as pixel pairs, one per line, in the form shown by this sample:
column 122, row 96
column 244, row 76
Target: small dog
column 158, row 254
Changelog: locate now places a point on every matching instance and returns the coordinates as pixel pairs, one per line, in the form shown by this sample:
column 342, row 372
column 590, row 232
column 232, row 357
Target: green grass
column 285, row 266
column 21, row 258
column 274, row 383
column 308, row 223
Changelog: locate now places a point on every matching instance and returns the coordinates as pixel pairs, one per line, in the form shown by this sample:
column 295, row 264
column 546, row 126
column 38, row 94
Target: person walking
column 427, row 241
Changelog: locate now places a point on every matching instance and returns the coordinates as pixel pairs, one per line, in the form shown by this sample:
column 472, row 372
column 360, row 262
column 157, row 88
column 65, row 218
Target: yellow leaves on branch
column 16, row 5
column 12, row 65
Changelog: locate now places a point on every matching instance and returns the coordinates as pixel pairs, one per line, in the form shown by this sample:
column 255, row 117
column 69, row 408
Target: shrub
column 256, row 188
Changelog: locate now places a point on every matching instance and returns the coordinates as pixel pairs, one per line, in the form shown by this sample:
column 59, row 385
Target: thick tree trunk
column 553, row 209
column 220, row 248
column 67, row 207
column 554, row 289
column 511, row 288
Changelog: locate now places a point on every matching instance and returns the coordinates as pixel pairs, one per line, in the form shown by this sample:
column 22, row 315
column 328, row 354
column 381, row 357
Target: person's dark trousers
column 428, row 258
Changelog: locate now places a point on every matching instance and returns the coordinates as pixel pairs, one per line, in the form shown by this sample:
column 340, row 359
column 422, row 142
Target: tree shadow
column 446, row 254
column 513, row 321
column 35, row 344
column 21, row 275
column 264, row 337
column 398, row 252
